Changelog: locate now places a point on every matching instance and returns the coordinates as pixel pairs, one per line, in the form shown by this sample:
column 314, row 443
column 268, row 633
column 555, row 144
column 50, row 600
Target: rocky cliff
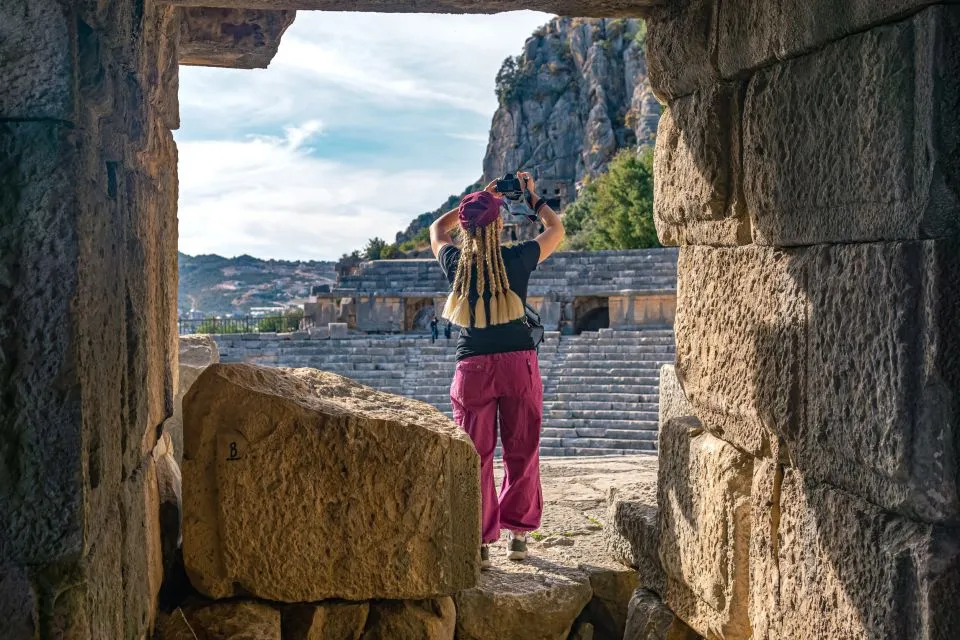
column 575, row 96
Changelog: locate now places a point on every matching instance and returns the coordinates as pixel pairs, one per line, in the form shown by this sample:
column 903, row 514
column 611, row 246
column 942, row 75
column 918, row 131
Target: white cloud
column 269, row 197
column 362, row 122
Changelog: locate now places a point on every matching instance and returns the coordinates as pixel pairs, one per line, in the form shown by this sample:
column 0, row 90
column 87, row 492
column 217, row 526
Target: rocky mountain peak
column 576, row 95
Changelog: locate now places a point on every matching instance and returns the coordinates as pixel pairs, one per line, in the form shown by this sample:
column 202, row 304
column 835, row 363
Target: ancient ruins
column 808, row 469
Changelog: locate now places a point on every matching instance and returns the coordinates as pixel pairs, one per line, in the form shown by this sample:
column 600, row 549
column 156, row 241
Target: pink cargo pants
column 505, row 386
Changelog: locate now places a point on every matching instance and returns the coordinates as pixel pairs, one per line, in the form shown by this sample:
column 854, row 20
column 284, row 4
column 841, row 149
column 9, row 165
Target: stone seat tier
column 600, row 388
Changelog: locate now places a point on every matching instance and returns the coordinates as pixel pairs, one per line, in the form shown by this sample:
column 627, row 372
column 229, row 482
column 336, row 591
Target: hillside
column 575, row 96
column 215, row 285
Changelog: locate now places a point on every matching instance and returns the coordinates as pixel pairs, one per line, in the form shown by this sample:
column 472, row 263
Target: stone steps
column 600, row 388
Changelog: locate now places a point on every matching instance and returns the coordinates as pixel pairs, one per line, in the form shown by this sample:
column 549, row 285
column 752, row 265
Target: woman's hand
column 529, row 186
column 492, row 188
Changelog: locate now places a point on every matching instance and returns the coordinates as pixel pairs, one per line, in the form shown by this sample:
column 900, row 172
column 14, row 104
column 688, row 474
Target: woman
column 497, row 371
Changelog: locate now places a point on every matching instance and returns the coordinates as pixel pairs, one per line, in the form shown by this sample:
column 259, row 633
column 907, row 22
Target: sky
column 362, row 122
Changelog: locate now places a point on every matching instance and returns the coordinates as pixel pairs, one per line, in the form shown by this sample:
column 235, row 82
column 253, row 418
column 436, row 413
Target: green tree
column 615, row 211
column 374, row 248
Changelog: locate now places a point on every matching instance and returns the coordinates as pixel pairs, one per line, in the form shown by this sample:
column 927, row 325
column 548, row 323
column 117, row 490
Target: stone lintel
column 581, row 8
column 234, row 38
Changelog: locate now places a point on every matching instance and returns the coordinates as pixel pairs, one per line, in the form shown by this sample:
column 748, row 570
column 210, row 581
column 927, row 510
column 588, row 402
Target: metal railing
column 244, row 324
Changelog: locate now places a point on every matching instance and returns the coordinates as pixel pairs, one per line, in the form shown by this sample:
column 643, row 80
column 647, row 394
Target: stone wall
column 88, row 280
column 807, row 165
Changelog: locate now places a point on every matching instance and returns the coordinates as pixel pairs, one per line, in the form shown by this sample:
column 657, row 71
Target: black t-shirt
column 520, row 260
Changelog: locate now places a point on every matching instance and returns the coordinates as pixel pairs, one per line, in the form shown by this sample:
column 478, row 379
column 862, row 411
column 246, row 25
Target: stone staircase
column 575, row 273
column 600, row 388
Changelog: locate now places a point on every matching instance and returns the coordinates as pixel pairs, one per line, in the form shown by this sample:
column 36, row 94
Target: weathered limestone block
column 739, row 327
column 867, row 155
column 37, row 61
column 882, row 371
column 428, row 619
column 846, row 569
column 196, row 354
column 612, row 589
column 18, row 604
column 632, row 537
column 704, row 489
column 174, row 626
column 338, row 330
column 680, row 42
column 235, row 38
column 282, row 465
column 528, row 606
column 673, row 402
column 754, row 34
column 698, row 197
column 325, row 621
column 234, row 620
column 649, row 619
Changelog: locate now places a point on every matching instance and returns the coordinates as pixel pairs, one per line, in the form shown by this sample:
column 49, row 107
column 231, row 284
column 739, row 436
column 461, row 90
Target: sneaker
column 485, row 557
column 516, row 545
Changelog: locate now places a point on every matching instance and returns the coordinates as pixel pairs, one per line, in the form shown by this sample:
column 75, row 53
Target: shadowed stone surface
column 281, row 466
column 325, row 621
column 881, row 165
column 37, row 64
column 703, row 489
column 845, row 569
column 235, row 620
column 235, row 38
column 632, row 535
column 697, row 182
column 427, row 619
column 648, row 618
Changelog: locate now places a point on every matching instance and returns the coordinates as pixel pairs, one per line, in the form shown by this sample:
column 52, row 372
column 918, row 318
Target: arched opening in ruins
column 590, row 314
column 417, row 313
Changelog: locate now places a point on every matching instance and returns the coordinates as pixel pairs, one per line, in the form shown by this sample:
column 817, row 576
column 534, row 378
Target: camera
column 510, row 187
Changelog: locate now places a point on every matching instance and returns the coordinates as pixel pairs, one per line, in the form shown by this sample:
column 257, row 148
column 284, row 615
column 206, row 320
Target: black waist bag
column 532, row 320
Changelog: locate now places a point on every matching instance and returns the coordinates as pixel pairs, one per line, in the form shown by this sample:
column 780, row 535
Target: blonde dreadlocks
column 481, row 260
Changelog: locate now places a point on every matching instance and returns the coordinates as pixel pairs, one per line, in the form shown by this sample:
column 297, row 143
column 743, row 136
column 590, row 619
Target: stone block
column 612, row 589
column 37, row 43
column 698, row 196
column 338, row 330
column 325, row 621
column 18, row 604
column 740, row 313
column 282, row 465
column 846, row 569
column 41, row 493
column 882, row 371
column 703, row 491
column 434, row 619
column 868, row 155
column 233, row 38
column 648, row 618
column 680, row 42
column 673, row 402
column 197, row 352
column 234, row 620
column 756, row 34
column 527, row 605
column 632, row 537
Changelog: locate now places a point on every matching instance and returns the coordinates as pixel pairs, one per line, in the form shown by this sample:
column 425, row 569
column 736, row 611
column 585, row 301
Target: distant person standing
column 434, row 330
column 447, row 330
